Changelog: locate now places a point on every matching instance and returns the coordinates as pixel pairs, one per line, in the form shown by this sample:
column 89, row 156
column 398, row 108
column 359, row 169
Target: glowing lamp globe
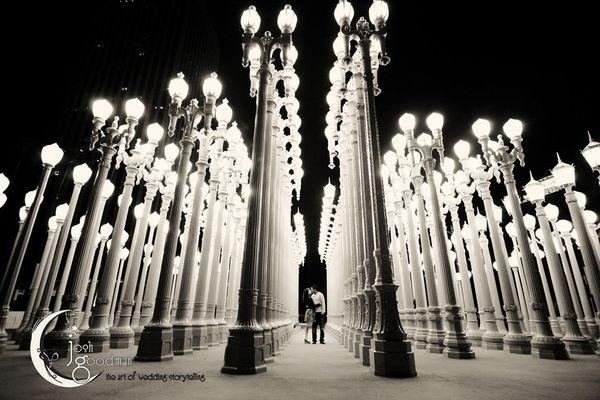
column 254, row 53
column 211, row 87
column 530, row 222
column 291, row 54
column 124, row 238
column 171, row 152
column 339, row 44
column 462, row 149
column 335, row 75
column 385, row 172
column 379, row 12
column 481, row 128
column 497, row 213
column 287, row 19
column 4, row 182
column 29, row 197
column 448, row 166
column 138, row 211
column 539, row 234
column 52, row 154
column 407, row 122
column 329, row 191
column 178, row 88
column 399, row 142
column 250, row 20
column 294, row 82
column 76, row 232
column 153, row 219
column 435, row 121
column 581, row 199
column 233, row 133
column 61, row 212
column 124, row 254
column 437, row 178
column 564, row 226
column 535, row 190
column 107, row 189
column 551, row 212
column 81, row 174
column 510, row 229
column 52, row 224
column 343, row 13
column 22, row 213
column 425, row 140
column 590, row 216
column 155, row 132
column 389, row 158
column 591, row 153
column 102, row 109
column 224, row 112
column 480, row 222
column 513, row 128
column 564, row 174
column 106, row 230
column 134, row 108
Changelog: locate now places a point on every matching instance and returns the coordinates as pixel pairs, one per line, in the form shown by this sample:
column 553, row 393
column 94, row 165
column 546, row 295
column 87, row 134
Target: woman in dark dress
column 309, row 315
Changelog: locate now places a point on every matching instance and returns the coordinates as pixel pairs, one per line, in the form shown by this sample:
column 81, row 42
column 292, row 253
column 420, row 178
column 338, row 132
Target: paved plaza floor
column 328, row 371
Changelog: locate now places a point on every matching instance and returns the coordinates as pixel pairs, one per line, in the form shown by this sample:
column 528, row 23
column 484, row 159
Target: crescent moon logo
column 43, row 363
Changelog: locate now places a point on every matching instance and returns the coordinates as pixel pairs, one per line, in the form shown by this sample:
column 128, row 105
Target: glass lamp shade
column 510, row 229
column 513, row 128
column 22, row 214
column 3, row 199
column 435, row 121
column 335, row 75
column 539, row 234
column 250, row 20
column 481, row 222
column 437, row 178
column 448, row 166
column 154, row 219
column 424, row 139
column 332, row 99
column 564, row 226
column 52, row 154
column 161, row 165
column 447, row 188
column 389, row 158
column 462, row 149
column 481, row 128
column 385, row 172
column 76, row 232
column 399, row 142
column 82, row 220
column 339, row 45
column 106, row 230
column 107, row 189
column 405, row 171
column 155, row 132
column 178, row 88
column 134, row 108
column 343, row 13
column 29, row 197
column 465, row 232
column 461, row 178
column 407, row 122
column 329, row 191
column 591, row 153
column 61, row 211
column 535, row 190
column 551, row 212
column 171, row 152
column 564, row 174
column 211, row 87
column 529, row 221
column 291, row 54
column 52, row 225
column 294, row 82
column 124, row 254
column 4, row 182
column 581, row 199
column 379, row 12
column 124, row 238
column 590, row 216
column 81, row 174
column 102, row 109
column 224, row 112
column 287, row 19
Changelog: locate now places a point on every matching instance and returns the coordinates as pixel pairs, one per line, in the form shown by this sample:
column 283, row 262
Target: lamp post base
column 182, row 340
column 156, row 343
column 492, row 341
column 223, row 332
column 474, row 337
column 357, row 342
column 365, row 348
column 555, row 326
column 421, row 331
column 436, row 333
column 244, row 354
column 581, row 345
column 199, row 337
column 548, row 347
column 517, row 344
column 392, row 359
column 121, row 337
column 212, row 334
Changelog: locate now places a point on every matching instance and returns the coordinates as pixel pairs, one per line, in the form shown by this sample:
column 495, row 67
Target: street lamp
column 591, row 153
column 500, row 157
column 51, row 155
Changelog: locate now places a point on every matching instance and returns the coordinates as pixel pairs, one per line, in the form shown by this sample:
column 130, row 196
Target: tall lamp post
column 390, row 353
column 500, row 157
column 244, row 351
column 51, row 155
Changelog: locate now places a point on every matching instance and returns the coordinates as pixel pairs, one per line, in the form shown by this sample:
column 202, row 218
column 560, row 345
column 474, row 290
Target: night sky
column 500, row 61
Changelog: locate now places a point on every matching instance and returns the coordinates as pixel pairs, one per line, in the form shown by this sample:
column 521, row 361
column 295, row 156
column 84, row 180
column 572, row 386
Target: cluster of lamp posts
column 512, row 306
column 173, row 290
